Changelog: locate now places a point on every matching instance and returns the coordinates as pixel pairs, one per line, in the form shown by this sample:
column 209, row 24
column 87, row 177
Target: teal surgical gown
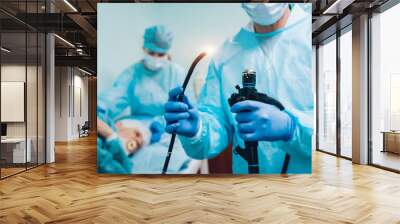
column 112, row 159
column 140, row 94
column 282, row 61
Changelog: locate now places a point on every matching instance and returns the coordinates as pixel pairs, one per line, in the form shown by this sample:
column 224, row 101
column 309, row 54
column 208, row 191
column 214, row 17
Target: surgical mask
column 154, row 63
column 265, row 13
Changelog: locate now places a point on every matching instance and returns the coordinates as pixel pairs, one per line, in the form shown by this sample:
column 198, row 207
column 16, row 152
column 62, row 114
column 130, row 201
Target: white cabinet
column 17, row 148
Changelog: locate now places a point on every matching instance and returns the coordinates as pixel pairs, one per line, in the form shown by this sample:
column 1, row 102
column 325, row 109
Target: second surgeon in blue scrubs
column 139, row 94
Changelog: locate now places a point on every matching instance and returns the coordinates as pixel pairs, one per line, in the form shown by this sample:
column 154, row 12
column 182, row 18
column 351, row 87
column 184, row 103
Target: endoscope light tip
column 209, row 50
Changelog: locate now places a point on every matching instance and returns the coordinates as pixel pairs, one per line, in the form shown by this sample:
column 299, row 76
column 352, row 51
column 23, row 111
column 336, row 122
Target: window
column 22, row 75
column 385, row 93
column 346, row 94
column 327, row 97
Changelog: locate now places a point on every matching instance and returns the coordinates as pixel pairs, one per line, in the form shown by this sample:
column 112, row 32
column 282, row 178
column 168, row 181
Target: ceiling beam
column 81, row 61
column 86, row 27
column 337, row 7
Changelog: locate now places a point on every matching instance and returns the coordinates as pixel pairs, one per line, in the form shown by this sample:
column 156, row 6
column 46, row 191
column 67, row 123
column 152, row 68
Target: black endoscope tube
column 180, row 98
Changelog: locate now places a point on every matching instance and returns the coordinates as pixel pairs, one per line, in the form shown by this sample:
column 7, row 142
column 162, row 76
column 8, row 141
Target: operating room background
column 196, row 26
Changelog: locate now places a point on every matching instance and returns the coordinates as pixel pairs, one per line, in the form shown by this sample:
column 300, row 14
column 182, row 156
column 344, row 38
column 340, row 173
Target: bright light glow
column 84, row 71
column 70, row 5
column 5, row 50
column 209, row 50
column 65, row 41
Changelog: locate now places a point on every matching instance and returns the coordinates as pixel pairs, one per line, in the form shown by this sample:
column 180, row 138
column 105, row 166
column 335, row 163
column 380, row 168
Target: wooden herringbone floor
column 70, row 191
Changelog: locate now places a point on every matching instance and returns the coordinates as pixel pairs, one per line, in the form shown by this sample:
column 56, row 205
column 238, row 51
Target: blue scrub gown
column 282, row 61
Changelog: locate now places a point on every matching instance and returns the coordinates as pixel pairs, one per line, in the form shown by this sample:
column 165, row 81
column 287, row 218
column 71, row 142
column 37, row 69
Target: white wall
column 16, row 73
column 69, row 82
column 80, row 83
column 61, row 103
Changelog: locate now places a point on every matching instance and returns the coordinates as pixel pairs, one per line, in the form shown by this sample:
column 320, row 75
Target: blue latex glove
column 181, row 117
column 259, row 121
column 156, row 131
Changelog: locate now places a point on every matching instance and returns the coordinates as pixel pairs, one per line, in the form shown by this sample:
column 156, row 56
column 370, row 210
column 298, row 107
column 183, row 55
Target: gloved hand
column 181, row 117
column 156, row 131
column 259, row 121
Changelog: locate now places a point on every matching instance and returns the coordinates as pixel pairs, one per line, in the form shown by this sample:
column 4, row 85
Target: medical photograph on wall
column 204, row 88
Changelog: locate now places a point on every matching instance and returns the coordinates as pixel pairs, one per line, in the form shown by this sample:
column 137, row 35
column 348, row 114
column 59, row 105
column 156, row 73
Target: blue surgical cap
column 157, row 39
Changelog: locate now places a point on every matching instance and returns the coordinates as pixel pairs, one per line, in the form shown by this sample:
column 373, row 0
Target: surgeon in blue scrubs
column 139, row 93
column 277, row 45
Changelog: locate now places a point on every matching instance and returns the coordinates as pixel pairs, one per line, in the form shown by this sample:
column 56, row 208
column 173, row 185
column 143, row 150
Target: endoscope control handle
column 269, row 100
column 181, row 97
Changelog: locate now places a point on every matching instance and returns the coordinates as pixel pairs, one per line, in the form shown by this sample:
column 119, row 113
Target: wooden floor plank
column 70, row 191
